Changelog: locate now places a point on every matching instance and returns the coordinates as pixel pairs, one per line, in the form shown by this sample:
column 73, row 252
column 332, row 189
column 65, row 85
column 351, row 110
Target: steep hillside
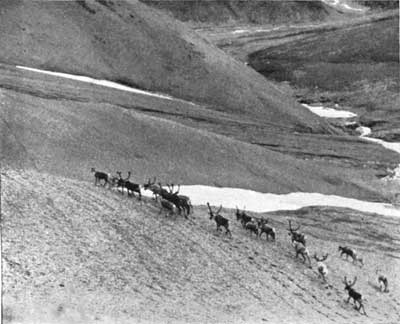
column 129, row 42
column 236, row 12
column 76, row 253
column 66, row 127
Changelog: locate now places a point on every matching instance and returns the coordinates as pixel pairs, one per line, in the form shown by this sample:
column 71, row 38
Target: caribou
column 165, row 204
column 356, row 296
column 174, row 199
column 242, row 217
column 112, row 181
column 321, row 267
column 153, row 188
column 347, row 251
column 98, row 176
column 121, row 182
column 382, row 281
column 130, row 187
column 268, row 230
column 219, row 220
column 295, row 235
column 301, row 249
column 185, row 200
column 251, row 227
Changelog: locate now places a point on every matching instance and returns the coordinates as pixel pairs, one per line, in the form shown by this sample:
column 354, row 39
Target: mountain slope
column 68, row 137
column 357, row 65
column 75, row 253
column 66, row 127
column 129, row 42
column 236, row 12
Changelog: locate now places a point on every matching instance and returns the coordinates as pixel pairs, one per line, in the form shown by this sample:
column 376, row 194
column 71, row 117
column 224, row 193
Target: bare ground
column 76, row 253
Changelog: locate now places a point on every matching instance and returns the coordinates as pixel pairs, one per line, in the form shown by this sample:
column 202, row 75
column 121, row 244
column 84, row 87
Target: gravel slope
column 75, row 253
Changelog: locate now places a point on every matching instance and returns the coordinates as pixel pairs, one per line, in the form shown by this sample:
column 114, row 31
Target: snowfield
column 266, row 202
column 104, row 83
column 329, row 112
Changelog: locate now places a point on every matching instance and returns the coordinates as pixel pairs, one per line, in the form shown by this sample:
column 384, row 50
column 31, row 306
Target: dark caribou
column 219, row 220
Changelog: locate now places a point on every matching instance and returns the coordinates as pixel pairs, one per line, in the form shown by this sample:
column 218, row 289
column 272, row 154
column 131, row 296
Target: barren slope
column 129, row 42
column 75, row 253
column 67, row 127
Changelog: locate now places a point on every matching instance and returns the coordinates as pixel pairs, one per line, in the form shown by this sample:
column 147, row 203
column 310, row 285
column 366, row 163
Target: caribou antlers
column 296, row 236
column 291, row 229
column 321, row 267
column 219, row 220
column 356, row 296
column 349, row 283
column 322, row 259
column 213, row 214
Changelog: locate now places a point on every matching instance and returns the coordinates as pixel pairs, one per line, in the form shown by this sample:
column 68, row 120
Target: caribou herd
column 171, row 201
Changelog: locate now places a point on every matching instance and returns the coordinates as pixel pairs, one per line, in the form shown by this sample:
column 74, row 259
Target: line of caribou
column 171, row 201
column 298, row 240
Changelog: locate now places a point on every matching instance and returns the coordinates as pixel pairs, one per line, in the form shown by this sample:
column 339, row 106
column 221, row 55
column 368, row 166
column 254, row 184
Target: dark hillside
column 380, row 4
column 371, row 44
column 230, row 12
column 357, row 66
column 129, row 42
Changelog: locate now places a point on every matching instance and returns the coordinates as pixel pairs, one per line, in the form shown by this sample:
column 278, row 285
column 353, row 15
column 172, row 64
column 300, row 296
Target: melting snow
column 365, row 131
column 264, row 202
column 103, row 83
column 345, row 5
column 329, row 112
column 256, row 201
column 240, row 31
column 341, row 3
column 389, row 145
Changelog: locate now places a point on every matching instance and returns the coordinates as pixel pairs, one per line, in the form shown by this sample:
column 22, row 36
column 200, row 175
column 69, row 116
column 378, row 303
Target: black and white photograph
column 200, row 161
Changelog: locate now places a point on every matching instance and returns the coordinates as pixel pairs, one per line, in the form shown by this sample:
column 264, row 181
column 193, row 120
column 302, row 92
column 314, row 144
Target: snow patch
column 329, row 112
column 364, row 131
column 340, row 4
column 345, row 5
column 394, row 146
column 265, row 202
column 104, row 83
column 240, row 31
